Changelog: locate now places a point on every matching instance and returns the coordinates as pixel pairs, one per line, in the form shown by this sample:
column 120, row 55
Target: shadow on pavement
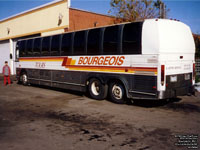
column 59, row 90
column 152, row 103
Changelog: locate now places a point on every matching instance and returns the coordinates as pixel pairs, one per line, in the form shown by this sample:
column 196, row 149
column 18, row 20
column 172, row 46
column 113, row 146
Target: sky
column 187, row 11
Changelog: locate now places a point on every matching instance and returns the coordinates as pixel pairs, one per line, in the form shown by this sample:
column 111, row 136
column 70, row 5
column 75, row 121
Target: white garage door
column 4, row 53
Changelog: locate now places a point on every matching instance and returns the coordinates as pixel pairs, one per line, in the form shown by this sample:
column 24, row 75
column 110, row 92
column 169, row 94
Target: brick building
column 81, row 19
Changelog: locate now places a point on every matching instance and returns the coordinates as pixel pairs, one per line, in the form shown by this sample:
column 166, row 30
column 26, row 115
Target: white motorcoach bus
column 153, row 59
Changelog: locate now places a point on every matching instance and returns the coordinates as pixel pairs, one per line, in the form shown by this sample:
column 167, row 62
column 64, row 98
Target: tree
column 133, row 10
column 197, row 45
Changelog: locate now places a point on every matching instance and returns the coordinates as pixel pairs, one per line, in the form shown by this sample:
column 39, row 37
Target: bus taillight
column 162, row 74
column 194, row 73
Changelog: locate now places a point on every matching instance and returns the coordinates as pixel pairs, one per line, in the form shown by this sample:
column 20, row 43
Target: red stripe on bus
column 112, row 67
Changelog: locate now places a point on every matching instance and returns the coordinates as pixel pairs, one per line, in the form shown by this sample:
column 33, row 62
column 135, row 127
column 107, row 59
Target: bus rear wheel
column 97, row 90
column 117, row 92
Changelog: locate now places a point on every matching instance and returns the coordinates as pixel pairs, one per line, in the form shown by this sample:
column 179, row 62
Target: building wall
column 4, row 53
column 39, row 20
column 79, row 19
column 51, row 18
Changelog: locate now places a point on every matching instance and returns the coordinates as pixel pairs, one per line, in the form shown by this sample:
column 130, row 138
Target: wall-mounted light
column 60, row 17
column 8, row 30
column 95, row 23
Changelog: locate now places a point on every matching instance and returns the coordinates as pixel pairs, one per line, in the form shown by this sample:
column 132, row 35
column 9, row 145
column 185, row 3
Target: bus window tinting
column 79, row 43
column 93, row 42
column 45, row 46
column 29, row 47
column 110, row 40
column 36, row 47
column 66, row 44
column 55, row 45
column 131, row 43
column 22, row 45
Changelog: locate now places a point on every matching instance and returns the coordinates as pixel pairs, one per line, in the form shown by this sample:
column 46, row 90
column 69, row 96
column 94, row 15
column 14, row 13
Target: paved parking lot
column 33, row 118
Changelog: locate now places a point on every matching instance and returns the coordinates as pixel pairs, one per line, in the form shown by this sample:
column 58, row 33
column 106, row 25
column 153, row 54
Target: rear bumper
column 173, row 93
column 181, row 87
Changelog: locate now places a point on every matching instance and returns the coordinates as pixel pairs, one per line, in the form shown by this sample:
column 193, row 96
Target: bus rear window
column 131, row 43
column 110, row 40
column 79, row 43
column 93, row 44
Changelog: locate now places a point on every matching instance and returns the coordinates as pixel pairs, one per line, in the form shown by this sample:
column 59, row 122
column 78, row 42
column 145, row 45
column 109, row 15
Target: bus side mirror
column 11, row 57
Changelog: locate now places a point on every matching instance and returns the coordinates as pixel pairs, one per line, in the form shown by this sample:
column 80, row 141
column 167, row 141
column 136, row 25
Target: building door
column 4, row 53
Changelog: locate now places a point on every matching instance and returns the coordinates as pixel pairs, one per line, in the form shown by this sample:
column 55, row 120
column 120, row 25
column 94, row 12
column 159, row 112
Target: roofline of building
column 49, row 4
column 91, row 12
column 31, row 10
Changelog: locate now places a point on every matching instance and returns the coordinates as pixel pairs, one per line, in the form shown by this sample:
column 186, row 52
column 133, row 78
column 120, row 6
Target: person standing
column 6, row 73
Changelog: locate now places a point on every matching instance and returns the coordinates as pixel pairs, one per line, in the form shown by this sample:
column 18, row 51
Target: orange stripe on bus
column 112, row 67
column 69, row 61
column 42, row 59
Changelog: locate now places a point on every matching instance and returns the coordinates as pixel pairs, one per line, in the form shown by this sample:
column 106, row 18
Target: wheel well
column 115, row 80
column 96, row 77
column 22, row 71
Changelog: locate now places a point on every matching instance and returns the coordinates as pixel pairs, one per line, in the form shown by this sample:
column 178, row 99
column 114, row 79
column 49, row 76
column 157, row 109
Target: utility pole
column 162, row 12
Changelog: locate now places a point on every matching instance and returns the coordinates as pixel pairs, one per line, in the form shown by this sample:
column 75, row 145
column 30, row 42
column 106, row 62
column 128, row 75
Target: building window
column 132, row 38
column 79, row 43
column 55, row 45
column 110, row 40
column 93, row 44
column 66, row 44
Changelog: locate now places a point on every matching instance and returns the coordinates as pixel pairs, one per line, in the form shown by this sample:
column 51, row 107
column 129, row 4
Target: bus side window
column 66, row 44
column 22, row 46
column 79, row 47
column 29, row 47
column 45, row 46
column 55, row 45
column 131, row 42
column 110, row 44
column 37, row 47
column 93, row 43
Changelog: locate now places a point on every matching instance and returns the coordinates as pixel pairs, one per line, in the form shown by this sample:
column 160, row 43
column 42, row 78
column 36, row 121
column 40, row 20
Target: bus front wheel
column 97, row 90
column 24, row 78
column 117, row 92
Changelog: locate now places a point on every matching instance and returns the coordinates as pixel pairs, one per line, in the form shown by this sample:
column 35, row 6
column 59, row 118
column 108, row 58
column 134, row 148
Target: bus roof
column 166, row 36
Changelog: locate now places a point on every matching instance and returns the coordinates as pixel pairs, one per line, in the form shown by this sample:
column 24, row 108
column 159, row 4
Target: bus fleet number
column 40, row 64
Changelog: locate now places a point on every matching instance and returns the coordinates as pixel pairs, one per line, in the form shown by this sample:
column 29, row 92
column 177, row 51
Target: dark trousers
column 6, row 78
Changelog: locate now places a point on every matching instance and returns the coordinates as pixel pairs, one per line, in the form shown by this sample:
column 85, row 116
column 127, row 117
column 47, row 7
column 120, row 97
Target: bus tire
column 97, row 90
column 117, row 92
column 24, row 78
